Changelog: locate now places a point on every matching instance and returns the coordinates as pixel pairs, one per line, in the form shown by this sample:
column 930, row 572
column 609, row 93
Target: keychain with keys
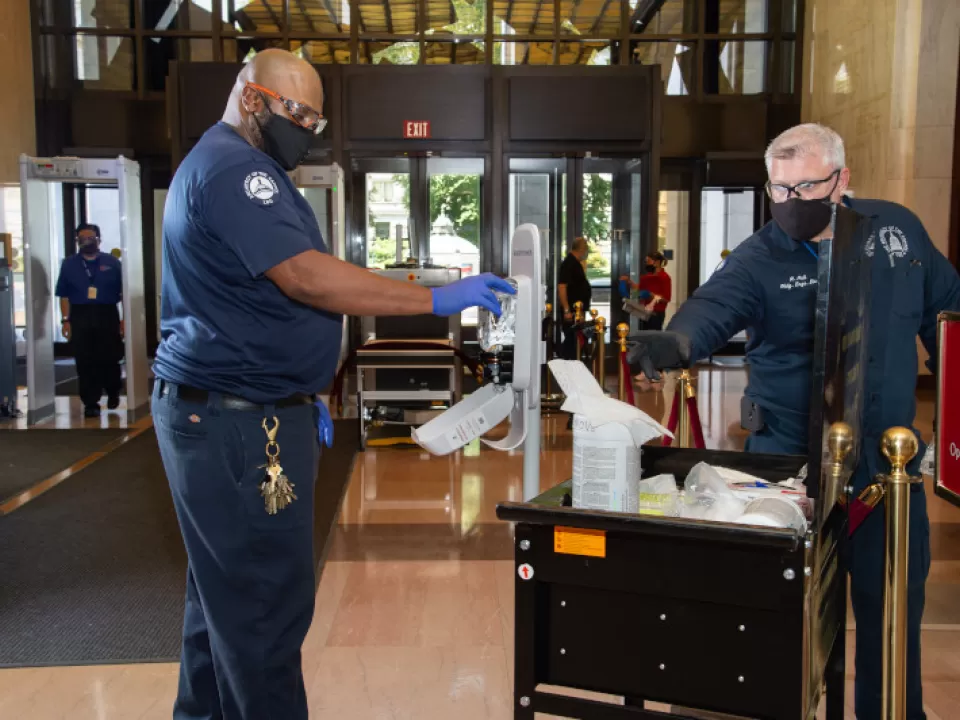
column 276, row 488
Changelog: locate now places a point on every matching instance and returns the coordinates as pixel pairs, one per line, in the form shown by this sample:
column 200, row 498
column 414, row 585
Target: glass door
column 537, row 194
column 384, row 223
column 455, row 200
column 611, row 219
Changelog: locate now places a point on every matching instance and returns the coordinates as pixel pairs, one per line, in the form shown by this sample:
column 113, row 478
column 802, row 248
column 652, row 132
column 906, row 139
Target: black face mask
column 285, row 141
column 651, row 268
column 89, row 247
column 802, row 219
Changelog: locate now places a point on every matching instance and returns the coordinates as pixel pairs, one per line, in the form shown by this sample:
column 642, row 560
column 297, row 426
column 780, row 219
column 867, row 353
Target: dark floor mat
column 29, row 456
column 93, row 571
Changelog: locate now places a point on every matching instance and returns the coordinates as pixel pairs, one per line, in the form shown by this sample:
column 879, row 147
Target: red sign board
column 416, row 129
column 948, row 408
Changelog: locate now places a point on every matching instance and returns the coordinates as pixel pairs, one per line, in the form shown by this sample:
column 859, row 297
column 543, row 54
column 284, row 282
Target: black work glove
column 654, row 350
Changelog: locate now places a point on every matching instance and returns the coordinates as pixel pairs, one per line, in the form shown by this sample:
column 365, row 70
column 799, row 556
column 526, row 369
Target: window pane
column 197, row 15
column 457, row 17
column 249, row 16
column 383, row 53
column 735, row 68
column 455, row 208
column 103, row 63
column 455, row 53
column 677, row 63
column 597, row 229
column 586, row 53
column 591, row 18
column 520, row 53
column 523, row 17
column 388, row 217
column 322, row 16
column 97, row 14
column 388, row 16
column 672, row 16
column 737, row 16
column 322, row 52
column 726, row 220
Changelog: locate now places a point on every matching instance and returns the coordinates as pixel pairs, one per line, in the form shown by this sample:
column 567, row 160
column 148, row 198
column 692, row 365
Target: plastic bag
column 493, row 332
column 707, row 496
column 658, row 495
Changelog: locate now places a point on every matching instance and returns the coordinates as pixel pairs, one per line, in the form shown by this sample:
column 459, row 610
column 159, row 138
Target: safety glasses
column 805, row 190
column 304, row 115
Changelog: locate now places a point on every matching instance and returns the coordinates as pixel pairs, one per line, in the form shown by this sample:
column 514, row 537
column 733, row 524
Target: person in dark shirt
column 573, row 287
column 768, row 286
column 250, row 323
column 90, row 287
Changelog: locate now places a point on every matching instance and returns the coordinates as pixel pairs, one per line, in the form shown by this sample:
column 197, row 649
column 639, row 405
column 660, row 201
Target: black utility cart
column 726, row 618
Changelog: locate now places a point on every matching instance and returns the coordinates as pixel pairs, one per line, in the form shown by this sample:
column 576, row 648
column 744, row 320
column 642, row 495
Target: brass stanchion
column 593, row 313
column 839, row 445
column 622, row 331
column 577, row 319
column 684, row 391
column 900, row 446
column 600, row 357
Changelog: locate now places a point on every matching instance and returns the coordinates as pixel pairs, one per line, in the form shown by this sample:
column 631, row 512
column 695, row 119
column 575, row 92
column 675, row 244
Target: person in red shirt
column 656, row 288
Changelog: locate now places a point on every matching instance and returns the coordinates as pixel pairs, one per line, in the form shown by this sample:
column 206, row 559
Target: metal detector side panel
column 38, row 259
column 134, row 297
column 839, row 355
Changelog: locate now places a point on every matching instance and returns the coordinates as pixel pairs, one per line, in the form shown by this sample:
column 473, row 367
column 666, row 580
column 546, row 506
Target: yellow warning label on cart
column 577, row 541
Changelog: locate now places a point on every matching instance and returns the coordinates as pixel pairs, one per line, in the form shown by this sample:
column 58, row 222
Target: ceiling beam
column 388, row 15
column 330, row 11
column 273, row 15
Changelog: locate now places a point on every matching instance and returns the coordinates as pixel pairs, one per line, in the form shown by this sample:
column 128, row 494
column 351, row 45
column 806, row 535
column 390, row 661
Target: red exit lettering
column 416, row 129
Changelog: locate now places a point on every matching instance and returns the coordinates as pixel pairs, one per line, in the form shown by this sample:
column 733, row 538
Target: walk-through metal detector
column 322, row 187
column 40, row 178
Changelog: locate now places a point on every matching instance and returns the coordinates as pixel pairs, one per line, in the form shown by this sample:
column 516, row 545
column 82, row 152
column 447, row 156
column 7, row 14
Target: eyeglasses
column 304, row 115
column 805, row 190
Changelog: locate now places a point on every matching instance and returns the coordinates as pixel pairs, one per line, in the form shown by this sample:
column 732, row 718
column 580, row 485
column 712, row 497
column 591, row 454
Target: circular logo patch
column 261, row 187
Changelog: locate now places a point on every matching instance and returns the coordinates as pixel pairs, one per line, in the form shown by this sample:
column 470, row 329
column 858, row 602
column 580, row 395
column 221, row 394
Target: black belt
column 231, row 402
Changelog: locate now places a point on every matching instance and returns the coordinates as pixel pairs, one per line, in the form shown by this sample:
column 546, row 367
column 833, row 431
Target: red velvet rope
column 695, row 427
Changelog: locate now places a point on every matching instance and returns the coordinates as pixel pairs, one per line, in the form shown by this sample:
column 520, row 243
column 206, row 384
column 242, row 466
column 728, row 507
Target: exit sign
column 416, row 129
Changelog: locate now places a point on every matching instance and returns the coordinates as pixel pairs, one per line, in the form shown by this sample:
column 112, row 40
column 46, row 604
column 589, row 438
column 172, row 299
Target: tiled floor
column 414, row 614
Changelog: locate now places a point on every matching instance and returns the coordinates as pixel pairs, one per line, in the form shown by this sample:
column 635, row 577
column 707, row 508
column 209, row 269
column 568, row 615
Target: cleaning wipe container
column 607, row 435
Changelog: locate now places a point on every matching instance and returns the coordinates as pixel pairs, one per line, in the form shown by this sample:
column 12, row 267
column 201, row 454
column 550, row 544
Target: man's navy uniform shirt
column 767, row 286
column 78, row 275
column 231, row 215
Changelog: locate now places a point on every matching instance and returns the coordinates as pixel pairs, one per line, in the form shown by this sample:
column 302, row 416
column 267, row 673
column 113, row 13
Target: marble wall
column 17, row 130
column 883, row 73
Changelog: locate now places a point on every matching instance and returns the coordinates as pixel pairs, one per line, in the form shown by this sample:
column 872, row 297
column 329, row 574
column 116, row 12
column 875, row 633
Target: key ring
column 271, row 433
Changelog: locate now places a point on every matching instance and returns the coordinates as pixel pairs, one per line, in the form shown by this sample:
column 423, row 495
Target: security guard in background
column 90, row 288
column 250, row 330
column 573, row 287
column 763, row 287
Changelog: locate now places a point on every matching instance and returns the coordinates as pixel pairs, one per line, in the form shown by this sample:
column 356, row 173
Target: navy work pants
column 250, row 577
column 865, row 561
column 97, row 348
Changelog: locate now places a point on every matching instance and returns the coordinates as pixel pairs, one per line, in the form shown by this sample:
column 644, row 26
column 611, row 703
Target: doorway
column 598, row 198
column 429, row 208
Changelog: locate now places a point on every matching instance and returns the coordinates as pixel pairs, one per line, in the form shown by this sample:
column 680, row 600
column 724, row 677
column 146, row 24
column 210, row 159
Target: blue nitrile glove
column 644, row 295
column 477, row 290
column 324, row 424
column 624, row 289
